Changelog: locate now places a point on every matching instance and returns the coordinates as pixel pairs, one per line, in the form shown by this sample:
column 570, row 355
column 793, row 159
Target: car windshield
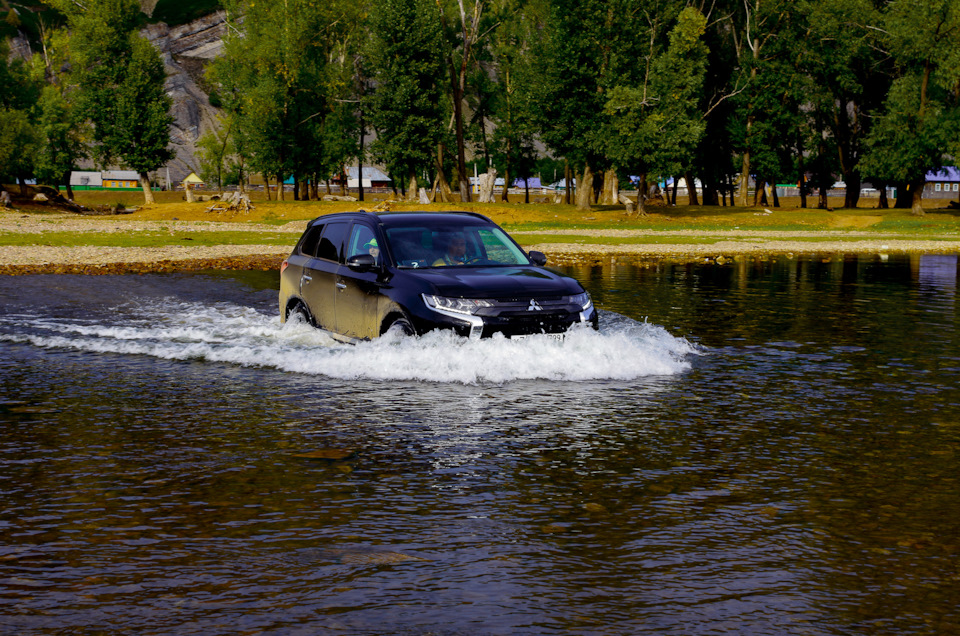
column 450, row 245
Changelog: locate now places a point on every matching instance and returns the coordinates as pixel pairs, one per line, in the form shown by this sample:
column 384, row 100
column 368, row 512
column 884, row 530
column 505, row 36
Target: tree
column 509, row 102
column 121, row 85
column 286, row 79
column 405, row 108
column 19, row 142
column 219, row 162
column 19, row 139
column 920, row 120
column 760, row 25
column 838, row 53
column 461, row 40
column 573, row 62
column 656, row 125
column 62, row 138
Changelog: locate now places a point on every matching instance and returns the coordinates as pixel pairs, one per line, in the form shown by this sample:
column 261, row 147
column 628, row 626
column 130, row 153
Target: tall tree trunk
column 610, row 188
column 851, row 196
column 281, row 194
column 673, row 196
column 266, row 185
column 446, row 195
column 802, row 178
column 464, row 182
column 759, row 191
column 412, row 187
column 883, row 203
column 822, row 201
column 744, row 183
column 916, row 202
column 505, row 197
column 526, row 190
column 847, row 155
column 904, row 195
column 711, row 193
column 745, row 166
column 691, row 189
column 585, row 188
column 776, row 198
column 568, row 181
column 66, row 179
column 642, row 190
column 147, row 190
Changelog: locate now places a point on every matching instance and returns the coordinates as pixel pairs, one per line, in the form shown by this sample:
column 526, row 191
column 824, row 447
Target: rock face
column 187, row 50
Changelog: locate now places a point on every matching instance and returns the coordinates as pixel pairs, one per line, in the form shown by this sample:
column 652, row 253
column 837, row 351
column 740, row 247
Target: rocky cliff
column 187, row 50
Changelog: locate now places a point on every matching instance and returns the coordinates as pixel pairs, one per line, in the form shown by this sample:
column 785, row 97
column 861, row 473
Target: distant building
column 84, row 180
column 192, row 180
column 372, row 178
column 120, row 179
column 533, row 183
column 943, row 185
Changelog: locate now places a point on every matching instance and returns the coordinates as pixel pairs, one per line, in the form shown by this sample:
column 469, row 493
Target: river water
column 756, row 447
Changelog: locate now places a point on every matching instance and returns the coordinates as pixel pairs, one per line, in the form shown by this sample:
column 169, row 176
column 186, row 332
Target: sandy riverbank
column 36, row 259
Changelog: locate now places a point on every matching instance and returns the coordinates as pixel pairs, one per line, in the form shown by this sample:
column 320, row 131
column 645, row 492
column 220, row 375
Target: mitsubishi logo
column 534, row 306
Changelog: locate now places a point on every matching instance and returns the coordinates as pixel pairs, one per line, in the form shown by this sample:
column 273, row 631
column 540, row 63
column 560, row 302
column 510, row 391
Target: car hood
column 493, row 282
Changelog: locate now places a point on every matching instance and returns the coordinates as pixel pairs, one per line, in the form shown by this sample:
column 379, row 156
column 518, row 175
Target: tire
column 401, row 326
column 299, row 313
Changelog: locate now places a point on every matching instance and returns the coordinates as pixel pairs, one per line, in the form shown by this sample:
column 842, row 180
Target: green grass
column 146, row 239
column 530, row 239
column 932, row 223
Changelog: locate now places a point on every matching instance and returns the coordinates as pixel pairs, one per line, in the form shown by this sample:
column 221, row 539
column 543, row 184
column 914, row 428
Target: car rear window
column 331, row 242
column 310, row 241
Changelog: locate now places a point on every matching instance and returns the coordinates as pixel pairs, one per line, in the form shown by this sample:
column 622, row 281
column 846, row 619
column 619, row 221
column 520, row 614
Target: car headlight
column 583, row 300
column 458, row 305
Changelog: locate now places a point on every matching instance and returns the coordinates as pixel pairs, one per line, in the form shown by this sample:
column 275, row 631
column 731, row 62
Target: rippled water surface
column 757, row 447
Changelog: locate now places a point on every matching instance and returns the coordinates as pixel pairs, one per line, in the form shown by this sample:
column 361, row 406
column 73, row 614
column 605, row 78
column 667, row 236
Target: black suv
column 359, row 274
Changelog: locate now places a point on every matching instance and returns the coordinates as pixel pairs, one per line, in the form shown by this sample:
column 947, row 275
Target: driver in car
column 373, row 249
column 456, row 252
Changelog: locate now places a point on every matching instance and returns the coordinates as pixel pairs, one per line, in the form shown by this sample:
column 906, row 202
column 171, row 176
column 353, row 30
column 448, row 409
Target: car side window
column 311, row 239
column 331, row 242
column 362, row 241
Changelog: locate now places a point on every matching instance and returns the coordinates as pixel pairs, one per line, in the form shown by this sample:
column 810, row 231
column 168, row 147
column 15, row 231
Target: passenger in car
column 456, row 253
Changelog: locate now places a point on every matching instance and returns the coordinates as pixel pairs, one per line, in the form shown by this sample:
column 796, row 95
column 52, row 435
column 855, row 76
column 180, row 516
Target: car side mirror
column 362, row 262
column 537, row 258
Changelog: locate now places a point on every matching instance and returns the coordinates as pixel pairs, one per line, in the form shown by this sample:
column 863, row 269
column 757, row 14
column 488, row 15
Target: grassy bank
column 172, row 221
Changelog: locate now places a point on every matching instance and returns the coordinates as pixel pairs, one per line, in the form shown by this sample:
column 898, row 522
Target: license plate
column 550, row 336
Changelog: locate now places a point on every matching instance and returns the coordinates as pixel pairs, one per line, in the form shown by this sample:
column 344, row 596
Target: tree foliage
column 120, row 81
column 725, row 91
column 406, row 105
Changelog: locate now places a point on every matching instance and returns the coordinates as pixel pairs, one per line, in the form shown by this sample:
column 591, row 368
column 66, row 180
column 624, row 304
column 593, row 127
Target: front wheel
column 401, row 327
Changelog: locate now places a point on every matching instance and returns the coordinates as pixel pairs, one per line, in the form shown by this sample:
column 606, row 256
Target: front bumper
column 509, row 318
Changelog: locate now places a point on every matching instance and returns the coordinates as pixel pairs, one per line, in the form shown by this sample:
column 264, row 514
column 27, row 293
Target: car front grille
column 522, row 317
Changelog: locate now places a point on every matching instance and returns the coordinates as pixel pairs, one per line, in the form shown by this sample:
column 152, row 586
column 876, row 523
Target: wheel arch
column 294, row 303
column 392, row 315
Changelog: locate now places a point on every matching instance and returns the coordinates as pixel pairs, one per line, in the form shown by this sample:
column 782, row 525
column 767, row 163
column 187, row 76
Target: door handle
column 341, row 286
column 307, row 278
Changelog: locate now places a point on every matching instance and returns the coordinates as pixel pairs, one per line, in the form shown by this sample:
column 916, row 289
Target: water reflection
column 793, row 472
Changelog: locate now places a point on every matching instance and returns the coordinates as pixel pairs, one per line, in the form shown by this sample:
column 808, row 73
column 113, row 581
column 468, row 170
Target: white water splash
column 624, row 349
